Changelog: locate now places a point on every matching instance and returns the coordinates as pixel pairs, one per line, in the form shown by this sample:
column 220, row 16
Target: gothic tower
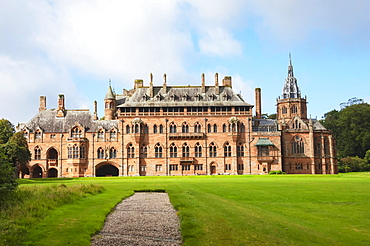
column 110, row 104
column 291, row 104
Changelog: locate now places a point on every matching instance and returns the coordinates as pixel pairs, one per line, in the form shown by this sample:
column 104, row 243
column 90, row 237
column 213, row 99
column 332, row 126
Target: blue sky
column 73, row 47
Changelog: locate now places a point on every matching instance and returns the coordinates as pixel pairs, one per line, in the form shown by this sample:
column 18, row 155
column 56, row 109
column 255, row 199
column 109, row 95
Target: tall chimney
column 42, row 103
column 151, row 91
column 217, row 88
column 164, row 83
column 61, row 107
column 258, row 103
column 203, row 83
column 95, row 110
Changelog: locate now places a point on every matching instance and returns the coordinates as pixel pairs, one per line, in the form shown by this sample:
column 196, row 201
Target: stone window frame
column 212, row 150
column 198, row 150
column 185, row 150
column 37, row 153
column 130, row 150
column 158, row 150
column 227, row 149
column 173, row 150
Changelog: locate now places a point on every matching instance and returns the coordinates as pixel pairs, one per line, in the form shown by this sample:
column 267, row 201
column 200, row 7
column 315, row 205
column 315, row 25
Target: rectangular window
column 240, row 166
column 131, row 168
column 227, row 167
column 186, row 167
column 263, row 151
column 298, row 166
column 198, row 167
column 174, row 167
column 143, row 168
column 158, row 168
column 52, row 136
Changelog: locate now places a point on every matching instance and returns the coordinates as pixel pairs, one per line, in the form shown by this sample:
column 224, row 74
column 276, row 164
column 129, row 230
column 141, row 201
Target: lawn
column 225, row 210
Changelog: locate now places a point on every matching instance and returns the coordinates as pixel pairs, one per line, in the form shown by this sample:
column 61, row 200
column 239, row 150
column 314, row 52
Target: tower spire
column 291, row 89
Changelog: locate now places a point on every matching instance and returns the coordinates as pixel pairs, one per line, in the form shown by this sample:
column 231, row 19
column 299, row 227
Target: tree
column 17, row 150
column 6, row 130
column 351, row 128
column 7, row 176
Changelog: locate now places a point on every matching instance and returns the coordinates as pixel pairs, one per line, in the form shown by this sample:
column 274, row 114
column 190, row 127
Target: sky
column 74, row 47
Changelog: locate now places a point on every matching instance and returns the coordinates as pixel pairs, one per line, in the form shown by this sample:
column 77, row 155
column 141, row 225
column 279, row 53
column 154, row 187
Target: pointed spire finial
column 110, row 82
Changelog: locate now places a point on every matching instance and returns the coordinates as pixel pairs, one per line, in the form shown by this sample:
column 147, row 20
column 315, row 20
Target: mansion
column 179, row 130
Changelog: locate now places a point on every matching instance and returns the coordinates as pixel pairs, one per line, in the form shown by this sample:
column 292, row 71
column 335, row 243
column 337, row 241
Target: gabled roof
column 48, row 121
column 264, row 142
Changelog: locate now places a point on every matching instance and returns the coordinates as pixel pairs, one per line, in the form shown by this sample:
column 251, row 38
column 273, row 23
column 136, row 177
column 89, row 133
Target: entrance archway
column 52, row 154
column 37, row 172
column 52, row 173
column 24, row 172
column 106, row 171
column 213, row 168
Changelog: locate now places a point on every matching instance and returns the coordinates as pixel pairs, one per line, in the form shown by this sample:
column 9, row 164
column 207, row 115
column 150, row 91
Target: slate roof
column 178, row 96
column 48, row 122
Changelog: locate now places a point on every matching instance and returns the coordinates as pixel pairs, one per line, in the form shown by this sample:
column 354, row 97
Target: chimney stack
column 203, row 83
column 42, row 103
column 61, row 107
column 95, row 110
column 258, row 103
column 217, row 88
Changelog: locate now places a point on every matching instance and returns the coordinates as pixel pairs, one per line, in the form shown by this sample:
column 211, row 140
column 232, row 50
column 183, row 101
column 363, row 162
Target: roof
column 48, row 122
column 264, row 142
column 177, row 96
column 109, row 94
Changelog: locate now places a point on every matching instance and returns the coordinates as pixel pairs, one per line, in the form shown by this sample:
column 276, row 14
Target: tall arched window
column 173, row 150
column 158, row 151
column 155, row 129
column 172, row 128
column 185, row 128
column 112, row 153
column 185, row 150
column 75, row 152
column 198, row 150
column 224, row 128
column 76, row 132
column 242, row 127
column 212, row 150
column 209, row 128
column 227, row 150
column 284, row 110
column 100, row 153
column 127, row 129
column 214, row 128
column 137, row 128
column 294, row 109
column 197, row 127
column 240, row 149
column 297, row 145
column 160, row 128
column 143, row 151
column 130, row 151
column 37, row 153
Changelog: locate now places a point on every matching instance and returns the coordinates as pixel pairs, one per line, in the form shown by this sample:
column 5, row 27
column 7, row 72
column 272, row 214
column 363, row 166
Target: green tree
column 7, row 176
column 6, row 130
column 351, row 128
column 17, row 150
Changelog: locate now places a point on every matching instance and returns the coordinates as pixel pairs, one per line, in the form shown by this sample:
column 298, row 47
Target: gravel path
column 146, row 218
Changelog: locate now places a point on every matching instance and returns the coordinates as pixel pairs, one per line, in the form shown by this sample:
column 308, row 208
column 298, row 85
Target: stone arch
column 24, row 172
column 213, row 167
column 52, row 153
column 37, row 171
column 52, row 173
column 106, row 169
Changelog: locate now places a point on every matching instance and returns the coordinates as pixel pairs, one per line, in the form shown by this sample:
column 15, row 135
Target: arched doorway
column 52, row 157
column 106, row 170
column 52, row 173
column 24, row 172
column 37, row 172
column 213, row 168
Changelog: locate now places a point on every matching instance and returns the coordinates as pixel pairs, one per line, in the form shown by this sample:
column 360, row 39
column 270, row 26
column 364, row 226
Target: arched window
column 212, row 150
column 224, row 128
column 82, row 152
column 100, row 134
column 172, row 128
column 130, row 151
column 214, row 128
column 240, row 150
column 113, row 134
column 112, row 153
column 185, row 128
column 25, row 134
column 173, row 150
column 137, row 128
column 37, row 153
column 75, row 152
column 294, row 109
column 185, row 150
column 160, row 128
column 197, row 127
column 143, row 151
column 209, row 128
column 198, row 150
column 100, row 153
column 284, row 110
column 227, row 150
column 76, row 132
column 297, row 145
column 127, row 129
column 38, row 134
column 146, row 129
column 155, row 129
column 158, row 151
column 233, row 127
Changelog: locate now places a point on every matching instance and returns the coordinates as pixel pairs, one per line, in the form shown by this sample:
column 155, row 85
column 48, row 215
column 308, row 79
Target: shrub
column 277, row 172
column 7, row 178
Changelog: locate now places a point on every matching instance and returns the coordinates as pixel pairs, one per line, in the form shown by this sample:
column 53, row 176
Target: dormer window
column 100, row 134
column 76, row 132
column 172, row 97
column 211, row 97
column 185, row 97
column 197, row 97
column 38, row 134
column 158, row 97
column 225, row 97
column 113, row 134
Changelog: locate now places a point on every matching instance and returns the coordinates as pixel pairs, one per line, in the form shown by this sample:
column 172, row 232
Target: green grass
column 224, row 210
